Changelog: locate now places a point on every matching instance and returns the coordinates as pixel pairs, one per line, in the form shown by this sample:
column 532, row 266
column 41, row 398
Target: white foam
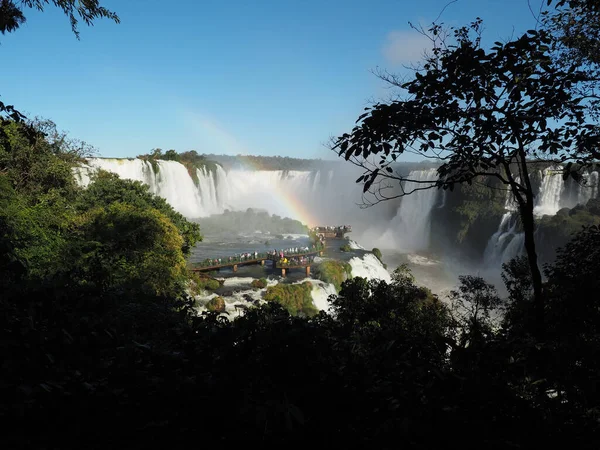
column 369, row 267
column 320, row 293
column 421, row 260
column 355, row 245
column 237, row 281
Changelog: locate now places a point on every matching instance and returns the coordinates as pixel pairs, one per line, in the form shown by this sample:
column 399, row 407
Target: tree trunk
column 527, row 218
column 536, row 276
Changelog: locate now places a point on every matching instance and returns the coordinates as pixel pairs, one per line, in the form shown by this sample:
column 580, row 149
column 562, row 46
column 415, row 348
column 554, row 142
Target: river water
column 237, row 291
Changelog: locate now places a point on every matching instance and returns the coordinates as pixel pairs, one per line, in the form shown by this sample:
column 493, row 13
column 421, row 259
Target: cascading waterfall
column 588, row 189
column 331, row 197
column 507, row 242
column 547, row 202
column 502, row 243
column 326, row 197
column 409, row 230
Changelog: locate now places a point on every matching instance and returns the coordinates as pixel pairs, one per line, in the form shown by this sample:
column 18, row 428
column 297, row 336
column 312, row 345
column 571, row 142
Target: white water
column 369, row 267
column 315, row 198
column 547, row 202
column 355, row 245
column 588, row 189
column 410, row 228
column 331, row 197
column 508, row 241
column 320, row 293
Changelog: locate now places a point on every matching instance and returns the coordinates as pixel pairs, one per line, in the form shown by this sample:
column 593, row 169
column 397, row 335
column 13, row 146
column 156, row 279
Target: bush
column 296, row 298
column 377, row 254
column 216, row 304
column 260, row 283
column 334, row 272
column 203, row 283
column 346, row 248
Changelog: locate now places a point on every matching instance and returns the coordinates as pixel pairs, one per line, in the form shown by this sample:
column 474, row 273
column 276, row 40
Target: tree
column 121, row 246
column 478, row 113
column 12, row 15
column 107, row 188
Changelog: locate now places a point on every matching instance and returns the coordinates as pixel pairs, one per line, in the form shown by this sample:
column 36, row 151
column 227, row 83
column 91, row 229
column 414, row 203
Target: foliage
column 94, row 338
column 107, row 188
column 234, row 222
column 377, row 254
column 334, row 272
column 202, row 283
column 191, row 160
column 556, row 231
column 475, row 306
column 346, row 248
column 479, row 112
column 296, row 298
column 126, row 247
column 259, row 284
column 256, row 162
column 216, row 304
column 12, row 14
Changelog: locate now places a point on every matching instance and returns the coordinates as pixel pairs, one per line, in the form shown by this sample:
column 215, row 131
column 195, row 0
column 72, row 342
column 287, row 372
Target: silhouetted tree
column 477, row 113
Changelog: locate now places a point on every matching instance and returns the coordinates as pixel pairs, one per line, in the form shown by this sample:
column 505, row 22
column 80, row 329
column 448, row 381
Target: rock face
column 216, row 304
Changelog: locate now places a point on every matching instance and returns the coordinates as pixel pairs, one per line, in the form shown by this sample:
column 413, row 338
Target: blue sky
column 269, row 77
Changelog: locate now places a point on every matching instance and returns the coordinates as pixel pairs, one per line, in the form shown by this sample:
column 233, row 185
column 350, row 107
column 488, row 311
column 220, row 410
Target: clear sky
column 269, row 77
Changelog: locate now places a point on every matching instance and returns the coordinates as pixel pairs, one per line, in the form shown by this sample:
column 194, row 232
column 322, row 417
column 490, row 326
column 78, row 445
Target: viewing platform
column 260, row 258
column 283, row 260
column 332, row 232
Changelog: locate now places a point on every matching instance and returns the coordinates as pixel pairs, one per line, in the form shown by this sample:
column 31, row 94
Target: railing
column 230, row 261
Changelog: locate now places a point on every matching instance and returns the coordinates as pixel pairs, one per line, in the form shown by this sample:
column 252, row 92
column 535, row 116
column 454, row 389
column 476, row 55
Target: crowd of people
column 275, row 255
column 237, row 258
column 338, row 229
column 295, row 261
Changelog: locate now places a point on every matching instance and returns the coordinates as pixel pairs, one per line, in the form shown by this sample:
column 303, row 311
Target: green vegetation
column 556, row 231
column 202, row 283
column 216, row 304
column 446, row 108
column 377, row 254
column 191, row 160
column 295, row 298
column 346, row 248
column 97, row 332
column 470, row 216
column 269, row 162
column 259, row 284
column 334, row 272
column 233, row 222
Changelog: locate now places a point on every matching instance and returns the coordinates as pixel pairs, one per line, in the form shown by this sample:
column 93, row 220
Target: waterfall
column 547, row 202
column 507, row 242
column 330, row 197
column 409, row 230
column 589, row 188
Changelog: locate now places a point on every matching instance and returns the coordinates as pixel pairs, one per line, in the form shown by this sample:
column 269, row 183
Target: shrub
column 296, row 298
column 260, row 283
column 377, row 254
column 203, row 283
column 334, row 272
column 216, row 304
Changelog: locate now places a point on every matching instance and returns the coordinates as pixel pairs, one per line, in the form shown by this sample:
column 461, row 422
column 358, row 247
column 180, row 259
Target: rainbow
column 213, row 134
column 297, row 209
